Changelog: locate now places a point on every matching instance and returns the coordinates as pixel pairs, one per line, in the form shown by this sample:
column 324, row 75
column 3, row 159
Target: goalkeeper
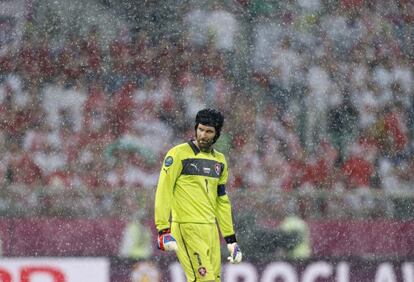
column 191, row 189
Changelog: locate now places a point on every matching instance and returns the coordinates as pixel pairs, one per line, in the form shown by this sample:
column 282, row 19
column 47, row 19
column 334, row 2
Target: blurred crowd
column 317, row 95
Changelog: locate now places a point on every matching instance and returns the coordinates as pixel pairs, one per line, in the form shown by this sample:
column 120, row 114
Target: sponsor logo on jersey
column 195, row 166
column 206, row 169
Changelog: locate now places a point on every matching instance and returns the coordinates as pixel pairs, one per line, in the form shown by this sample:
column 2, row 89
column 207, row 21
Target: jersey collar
column 195, row 149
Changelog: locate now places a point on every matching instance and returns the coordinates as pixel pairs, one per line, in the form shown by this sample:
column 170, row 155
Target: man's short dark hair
column 210, row 117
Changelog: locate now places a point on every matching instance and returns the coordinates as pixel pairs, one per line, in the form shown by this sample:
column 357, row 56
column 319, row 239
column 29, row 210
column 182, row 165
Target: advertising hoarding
column 54, row 270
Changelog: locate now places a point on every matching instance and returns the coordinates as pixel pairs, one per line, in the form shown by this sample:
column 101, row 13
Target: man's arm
column 165, row 188
column 163, row 201
column 225, row 219
column 223, row 205
column 224, row 214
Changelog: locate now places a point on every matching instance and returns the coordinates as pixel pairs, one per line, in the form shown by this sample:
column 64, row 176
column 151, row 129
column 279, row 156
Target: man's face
column 205, row 136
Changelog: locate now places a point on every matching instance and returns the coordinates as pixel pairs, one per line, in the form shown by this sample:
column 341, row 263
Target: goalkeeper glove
column 235, row 253
column 234, row 249
column 166, row 241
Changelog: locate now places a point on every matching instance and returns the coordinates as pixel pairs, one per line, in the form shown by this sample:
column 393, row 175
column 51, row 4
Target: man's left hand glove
column 235, row 253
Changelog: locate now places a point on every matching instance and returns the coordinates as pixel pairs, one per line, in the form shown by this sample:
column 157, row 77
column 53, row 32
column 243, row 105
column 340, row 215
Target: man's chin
column 204, row 146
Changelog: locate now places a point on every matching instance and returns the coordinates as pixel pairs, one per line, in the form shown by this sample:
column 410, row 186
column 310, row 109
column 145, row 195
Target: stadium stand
column 318, row 100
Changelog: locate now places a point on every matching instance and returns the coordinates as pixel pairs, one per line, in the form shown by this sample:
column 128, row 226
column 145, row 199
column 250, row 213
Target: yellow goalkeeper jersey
column 191, row 189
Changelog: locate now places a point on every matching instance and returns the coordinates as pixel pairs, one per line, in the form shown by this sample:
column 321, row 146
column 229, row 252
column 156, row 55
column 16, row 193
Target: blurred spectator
column 193, row 96
column 287, row 63
column 121, row 108
column 91, row 54
column 342, row 121
column 151, row 133
column 271, row 242
column 136, row 239
column 316, row 104
column 390, row 131
column 67, row 96
column 143, row 58
column 345, row 28
column 222, row 27
column 50, row 158
column 319, row 170
column 22, row 168
column 95, row 110
column 194, row 20
column 358, row 169
column 218, row 25
column 295, row 225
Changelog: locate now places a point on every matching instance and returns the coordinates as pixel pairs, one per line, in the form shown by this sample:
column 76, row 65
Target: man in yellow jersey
column 191, row 192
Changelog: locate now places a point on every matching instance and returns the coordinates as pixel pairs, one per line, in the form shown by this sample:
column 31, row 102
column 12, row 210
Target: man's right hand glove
column 166, row 241
column 235, row 253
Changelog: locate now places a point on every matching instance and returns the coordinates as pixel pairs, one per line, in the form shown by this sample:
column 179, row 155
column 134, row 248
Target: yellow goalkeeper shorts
column 198, row 250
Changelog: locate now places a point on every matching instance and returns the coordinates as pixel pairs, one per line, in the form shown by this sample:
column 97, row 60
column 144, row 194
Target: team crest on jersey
column 168, row 161
column 217, row 168
column 202, row 270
